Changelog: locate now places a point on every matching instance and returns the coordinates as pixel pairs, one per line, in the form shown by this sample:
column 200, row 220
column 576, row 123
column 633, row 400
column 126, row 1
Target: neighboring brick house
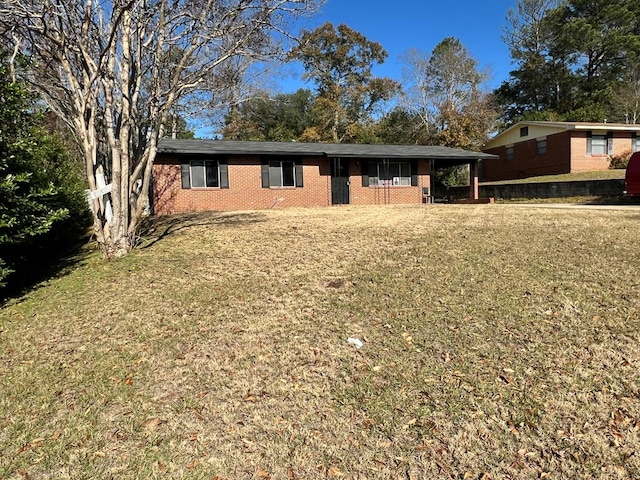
column 530, row 149
column 197, row 175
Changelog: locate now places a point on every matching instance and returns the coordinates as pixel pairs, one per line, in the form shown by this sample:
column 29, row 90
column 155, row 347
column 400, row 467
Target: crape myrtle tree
column 119, row 71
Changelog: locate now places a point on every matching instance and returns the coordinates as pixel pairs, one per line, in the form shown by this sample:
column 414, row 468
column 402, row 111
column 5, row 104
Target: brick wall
column 245, row 190
column 566, row 152
column 581, row 161
column 387, row 195
column 527, row 162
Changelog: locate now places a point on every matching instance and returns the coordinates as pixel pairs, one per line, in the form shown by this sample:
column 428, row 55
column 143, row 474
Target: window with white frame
column 282, row 173
column 205, row 173
column 389, row 173
column 635, row 144
column 597, row 145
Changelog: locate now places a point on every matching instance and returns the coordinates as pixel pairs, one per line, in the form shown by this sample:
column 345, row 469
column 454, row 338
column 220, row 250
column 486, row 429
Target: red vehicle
column 632, row 177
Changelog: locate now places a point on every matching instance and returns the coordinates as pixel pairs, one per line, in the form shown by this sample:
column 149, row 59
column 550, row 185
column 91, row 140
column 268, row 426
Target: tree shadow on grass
column 157, row 228
column 44, row 261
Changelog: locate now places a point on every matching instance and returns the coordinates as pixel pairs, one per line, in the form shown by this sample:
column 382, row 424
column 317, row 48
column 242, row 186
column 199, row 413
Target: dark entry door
column 340, row 181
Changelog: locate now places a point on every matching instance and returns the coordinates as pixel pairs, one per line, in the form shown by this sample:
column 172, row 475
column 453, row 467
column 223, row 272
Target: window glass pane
column 288, row 174
column 541, row 147
column 509, row 153
column 275, row 174
column 636, row 145
column 212, row 174
column 197, row 174
column 599, row 145
column 405, row 173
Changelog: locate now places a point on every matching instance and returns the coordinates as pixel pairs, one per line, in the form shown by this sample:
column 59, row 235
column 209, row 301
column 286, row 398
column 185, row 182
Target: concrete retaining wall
column 589, row 188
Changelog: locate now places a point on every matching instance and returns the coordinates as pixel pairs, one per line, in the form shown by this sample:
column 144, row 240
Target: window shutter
column 364, row 167
column 610, row 143
column 185, row 174
column 588, row 143
column 299, row 179
column 414, row 173
column 265, row 173
column 223, row 165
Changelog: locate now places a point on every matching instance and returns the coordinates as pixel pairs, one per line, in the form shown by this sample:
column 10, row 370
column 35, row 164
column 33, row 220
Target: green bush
column 42, row 203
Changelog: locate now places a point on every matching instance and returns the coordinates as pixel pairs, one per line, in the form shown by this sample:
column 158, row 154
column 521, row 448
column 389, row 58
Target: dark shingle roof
column 237, row 147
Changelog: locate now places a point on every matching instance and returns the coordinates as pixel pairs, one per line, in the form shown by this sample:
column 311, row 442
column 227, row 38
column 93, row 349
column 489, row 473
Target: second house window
column 281, row 173
column 205, row 173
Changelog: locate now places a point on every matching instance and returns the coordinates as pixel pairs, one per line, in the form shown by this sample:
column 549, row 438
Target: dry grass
column 498, row 343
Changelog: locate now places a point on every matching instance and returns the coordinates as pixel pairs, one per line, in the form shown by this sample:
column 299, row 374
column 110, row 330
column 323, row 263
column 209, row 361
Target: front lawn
column 498, row 342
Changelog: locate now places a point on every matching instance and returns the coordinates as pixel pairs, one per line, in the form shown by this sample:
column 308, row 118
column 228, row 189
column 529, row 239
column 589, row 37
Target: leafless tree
column 446, row 90
column 118, row 71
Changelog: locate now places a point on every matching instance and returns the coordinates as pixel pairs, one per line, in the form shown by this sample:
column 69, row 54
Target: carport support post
column 474, row 191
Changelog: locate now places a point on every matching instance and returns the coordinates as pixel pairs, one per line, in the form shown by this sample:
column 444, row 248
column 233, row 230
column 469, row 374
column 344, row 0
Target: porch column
column 474, row 191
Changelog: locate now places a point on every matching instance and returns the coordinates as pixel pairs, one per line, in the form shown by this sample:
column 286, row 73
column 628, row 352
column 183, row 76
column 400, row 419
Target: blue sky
column 400, row 25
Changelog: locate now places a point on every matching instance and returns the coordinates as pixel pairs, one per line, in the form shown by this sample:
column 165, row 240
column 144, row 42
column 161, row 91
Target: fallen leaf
column 151, row 423
column 99, row 454
column 261, row 473
column 335, row 472
column 37, row 442
column 290, row 474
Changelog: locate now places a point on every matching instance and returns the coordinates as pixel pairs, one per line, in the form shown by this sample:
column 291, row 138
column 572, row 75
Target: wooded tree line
column 122, row 74
column 441, row 100
column 576, row 60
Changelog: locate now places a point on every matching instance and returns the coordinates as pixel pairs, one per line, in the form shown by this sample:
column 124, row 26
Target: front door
column 340, row 181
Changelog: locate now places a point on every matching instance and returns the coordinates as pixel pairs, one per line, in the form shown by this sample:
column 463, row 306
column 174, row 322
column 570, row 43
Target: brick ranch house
column 530, row 149
column 199, row 175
